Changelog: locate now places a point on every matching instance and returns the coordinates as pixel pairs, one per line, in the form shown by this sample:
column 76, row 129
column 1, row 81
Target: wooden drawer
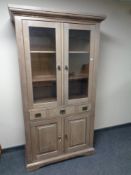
column 61, row 111
column 83, row 108
column 38, row 114
column 70, row 110
column 53, row 112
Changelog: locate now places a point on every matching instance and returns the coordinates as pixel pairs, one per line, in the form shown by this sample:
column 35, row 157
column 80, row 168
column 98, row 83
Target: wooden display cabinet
column 58, row 53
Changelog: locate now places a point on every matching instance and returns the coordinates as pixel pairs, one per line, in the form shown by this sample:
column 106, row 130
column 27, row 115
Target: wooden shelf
column 45, row 100
column 79, row 52
column 79, row 76
column 39, row 51
column 38, row 78
column 77, row 96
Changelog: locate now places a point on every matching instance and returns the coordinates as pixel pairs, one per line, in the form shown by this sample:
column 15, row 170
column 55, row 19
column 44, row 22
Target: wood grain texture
column 22, row 69
column 37, row 64
column 77, row 27
column 46, row 138
column 36, row 11
column 77, row 132
column 96, row 36
column 60, row 126
column 35, row 165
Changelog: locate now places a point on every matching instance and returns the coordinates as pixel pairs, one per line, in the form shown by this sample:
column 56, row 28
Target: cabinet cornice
column 17, row 10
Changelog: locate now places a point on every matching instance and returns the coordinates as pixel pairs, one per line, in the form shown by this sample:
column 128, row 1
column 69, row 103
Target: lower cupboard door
column 46, row 138
column 76, row 132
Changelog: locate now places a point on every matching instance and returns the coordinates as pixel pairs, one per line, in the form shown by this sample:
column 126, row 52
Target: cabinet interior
column 42, row 39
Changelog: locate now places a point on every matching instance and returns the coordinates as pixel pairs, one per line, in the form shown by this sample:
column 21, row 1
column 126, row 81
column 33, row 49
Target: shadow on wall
column 107, row 40
column 7, row 29
column 113, row 98
column 113, row 106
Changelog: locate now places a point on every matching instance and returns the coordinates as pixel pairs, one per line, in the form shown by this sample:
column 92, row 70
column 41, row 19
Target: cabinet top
column 17, row 10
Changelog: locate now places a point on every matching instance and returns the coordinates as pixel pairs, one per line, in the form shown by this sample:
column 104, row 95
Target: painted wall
column 113, row 102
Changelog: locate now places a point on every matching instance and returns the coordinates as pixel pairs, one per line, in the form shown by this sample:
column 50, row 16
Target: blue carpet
column 113, row 157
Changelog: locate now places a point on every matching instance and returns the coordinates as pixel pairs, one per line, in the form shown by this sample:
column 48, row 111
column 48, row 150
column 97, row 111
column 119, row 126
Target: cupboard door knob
column 58, row 67
column 66, row 68
column 59, row 138
column 62, row 111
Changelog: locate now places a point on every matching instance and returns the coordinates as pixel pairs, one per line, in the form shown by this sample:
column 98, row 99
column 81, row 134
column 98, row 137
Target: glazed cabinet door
column 76, row 132
column 46, row 138
column 42, row 43
column 78, row 62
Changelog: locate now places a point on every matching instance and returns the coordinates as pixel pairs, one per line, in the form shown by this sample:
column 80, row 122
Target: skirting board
column 21, row 147
column 114, row 127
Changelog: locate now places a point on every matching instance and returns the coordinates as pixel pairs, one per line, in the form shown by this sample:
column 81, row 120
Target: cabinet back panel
column 42, row 38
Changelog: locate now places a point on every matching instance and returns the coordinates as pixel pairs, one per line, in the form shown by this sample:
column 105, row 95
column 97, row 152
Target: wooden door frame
column 91, row 28
column 26, row 25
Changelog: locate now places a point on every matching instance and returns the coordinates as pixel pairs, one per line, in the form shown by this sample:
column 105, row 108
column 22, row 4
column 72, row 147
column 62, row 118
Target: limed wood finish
column 58, row 126
column 46, row 136
column 41, row 12
column 77, row 132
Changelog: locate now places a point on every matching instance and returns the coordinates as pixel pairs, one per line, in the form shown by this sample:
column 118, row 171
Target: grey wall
column 113, row 103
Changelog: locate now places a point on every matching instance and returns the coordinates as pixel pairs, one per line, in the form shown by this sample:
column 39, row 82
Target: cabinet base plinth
column 38, row 164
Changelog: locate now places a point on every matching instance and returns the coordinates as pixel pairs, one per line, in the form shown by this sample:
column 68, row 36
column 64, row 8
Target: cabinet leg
column 90, row 153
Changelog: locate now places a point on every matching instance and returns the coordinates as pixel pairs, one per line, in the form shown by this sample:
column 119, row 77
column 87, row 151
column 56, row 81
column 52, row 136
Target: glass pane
column 43, row 64
column 79, row 40
column 44, row 91
column 79, row 48
column 42, row 39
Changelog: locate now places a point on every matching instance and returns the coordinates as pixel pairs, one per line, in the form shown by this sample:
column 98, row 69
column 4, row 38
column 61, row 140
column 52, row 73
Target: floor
column 113, row 157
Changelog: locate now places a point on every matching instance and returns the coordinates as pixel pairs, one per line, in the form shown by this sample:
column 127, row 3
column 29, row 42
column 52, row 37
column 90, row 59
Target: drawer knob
column 38, row 115
column 84, row 108
column 66, row 68
column 62, row 111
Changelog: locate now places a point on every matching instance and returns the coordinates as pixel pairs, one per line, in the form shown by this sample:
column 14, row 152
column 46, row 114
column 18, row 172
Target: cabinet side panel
column 93, row 95
column 20, row 45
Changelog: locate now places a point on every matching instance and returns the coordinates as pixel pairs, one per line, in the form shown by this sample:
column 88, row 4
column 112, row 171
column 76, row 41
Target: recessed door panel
column 77, row 138
column 76, row 132
column 47, row 138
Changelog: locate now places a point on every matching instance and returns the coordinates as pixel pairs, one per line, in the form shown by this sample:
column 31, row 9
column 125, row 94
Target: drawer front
column 70, row 110
column 37, row 114
column 83, row 108
column 49, row 113
column 53, row 112
column 61, row 111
